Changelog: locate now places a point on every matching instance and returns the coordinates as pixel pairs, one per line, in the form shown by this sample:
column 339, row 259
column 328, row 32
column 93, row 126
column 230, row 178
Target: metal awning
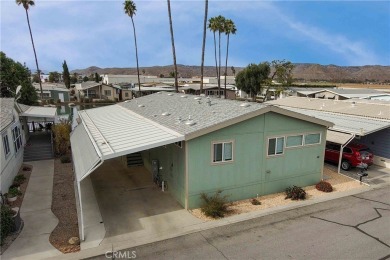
column 47, row 112
column 86, row 156
column 338, row 137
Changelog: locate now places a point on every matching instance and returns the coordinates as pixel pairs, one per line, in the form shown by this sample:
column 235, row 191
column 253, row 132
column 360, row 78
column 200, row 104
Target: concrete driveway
column 132, row 206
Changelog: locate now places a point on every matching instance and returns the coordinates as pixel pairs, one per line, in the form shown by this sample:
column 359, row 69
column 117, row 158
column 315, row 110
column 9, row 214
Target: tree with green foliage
column 233, row 71
column 97, row 77
column 253, row 78
column 13, row 74
column 54, row 77
column 206, row 8
column 74, row 79
column 26, row 4
column 282, row 75
column 85, row 79
column 35, row 78
column 173, row 46
column 229, row 28
column 130, row 10
column 65, row 74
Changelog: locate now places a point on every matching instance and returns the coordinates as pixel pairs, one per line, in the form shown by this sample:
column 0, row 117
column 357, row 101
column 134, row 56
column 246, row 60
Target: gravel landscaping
column 64, row 207
column 338, row 181
column 25, row 170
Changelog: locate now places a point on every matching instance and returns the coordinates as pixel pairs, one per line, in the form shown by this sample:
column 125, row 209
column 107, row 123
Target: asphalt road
column 354, row 227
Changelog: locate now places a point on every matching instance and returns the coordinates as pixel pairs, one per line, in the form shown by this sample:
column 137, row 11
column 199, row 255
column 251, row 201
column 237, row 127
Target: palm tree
column 130, row 10
column 26, row 4
column 203, row 44
column 229, row 28
column 173, row 45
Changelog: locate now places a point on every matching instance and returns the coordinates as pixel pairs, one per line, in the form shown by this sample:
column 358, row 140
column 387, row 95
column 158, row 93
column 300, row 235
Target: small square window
column 275, row 146
column 223, row 152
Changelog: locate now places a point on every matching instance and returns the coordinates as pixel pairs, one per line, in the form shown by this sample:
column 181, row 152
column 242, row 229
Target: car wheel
column 345, row 165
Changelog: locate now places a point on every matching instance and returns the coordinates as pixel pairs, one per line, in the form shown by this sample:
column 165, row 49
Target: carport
column 111, row 132
column 347, row 127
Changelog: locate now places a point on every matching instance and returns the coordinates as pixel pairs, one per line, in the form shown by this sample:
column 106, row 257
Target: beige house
column 100, row 91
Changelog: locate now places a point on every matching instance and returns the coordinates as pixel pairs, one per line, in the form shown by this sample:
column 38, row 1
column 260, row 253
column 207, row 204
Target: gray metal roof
column 118, row 131
column 6, row 112
column 350, row 124
column 348, row 107
column 338, row 137
column 34, row 111
column 205, row 86
column 190, row 115
column 87, row 85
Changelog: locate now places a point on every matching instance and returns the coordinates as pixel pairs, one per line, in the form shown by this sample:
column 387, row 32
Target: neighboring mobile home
column 12, row 141
column 53, row 91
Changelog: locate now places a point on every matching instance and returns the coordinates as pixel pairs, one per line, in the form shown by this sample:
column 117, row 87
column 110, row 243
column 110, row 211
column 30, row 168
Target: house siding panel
column 379, row 142
column 252, row 173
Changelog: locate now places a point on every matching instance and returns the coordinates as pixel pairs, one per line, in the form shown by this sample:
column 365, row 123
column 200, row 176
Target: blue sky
column 86, row 33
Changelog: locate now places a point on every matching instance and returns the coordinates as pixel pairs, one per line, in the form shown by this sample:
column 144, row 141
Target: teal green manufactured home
column 258, row 156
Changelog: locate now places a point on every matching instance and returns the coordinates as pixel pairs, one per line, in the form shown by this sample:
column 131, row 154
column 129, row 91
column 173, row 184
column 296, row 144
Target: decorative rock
column 74, row 241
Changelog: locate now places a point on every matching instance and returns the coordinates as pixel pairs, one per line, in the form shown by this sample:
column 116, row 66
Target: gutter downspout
column 341, row 151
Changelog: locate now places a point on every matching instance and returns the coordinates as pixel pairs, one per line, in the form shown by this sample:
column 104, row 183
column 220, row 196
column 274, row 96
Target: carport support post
column 81, row 211
column 341, row 151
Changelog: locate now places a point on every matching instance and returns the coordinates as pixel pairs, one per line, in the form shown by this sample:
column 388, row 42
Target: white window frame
column 304, row 138
column 223, row 151
column 294, row 146
column 276, row 145
column 7, row 148
column 17, row 138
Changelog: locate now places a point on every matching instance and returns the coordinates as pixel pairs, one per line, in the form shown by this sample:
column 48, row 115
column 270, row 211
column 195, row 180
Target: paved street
column 354, row 227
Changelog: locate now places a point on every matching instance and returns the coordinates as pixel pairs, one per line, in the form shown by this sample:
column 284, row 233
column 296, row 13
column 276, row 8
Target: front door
column 61, row 97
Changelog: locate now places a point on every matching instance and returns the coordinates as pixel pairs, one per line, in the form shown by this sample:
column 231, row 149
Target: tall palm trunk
column 203, row 44
column 219, row 65
column 136, row 57
column 35, row 54
column 173, row 46
column 227, row 54
column 215, row 55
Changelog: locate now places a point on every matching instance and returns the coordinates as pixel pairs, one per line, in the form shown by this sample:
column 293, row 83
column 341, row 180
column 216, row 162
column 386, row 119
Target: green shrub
column 255, row 202
column 86, row 100
column 295, row 193
column 58, row 101
column 324, row 186
column 13, row 192
column 6, row 222
column 65, row 159
column 214, row 206
column 19, row 179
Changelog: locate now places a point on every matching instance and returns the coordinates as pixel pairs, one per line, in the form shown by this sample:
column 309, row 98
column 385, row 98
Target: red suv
column 353, row 155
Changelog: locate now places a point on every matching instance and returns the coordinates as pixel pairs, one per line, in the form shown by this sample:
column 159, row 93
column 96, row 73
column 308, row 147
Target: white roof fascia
column 40, row 112
column 338, row 137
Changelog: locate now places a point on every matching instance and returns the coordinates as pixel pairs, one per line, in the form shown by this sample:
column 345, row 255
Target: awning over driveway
column 338, row 137
column 85, row 154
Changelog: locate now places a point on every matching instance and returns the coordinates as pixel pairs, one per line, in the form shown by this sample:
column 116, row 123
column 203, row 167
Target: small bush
column 19, row 179
column 6, row 222
column 214, row 206
column 65, row 159
column 295, row 193
column 86, row 100
column 255, row 202
column 58, row 101
column 324, row 186
column 13, row 192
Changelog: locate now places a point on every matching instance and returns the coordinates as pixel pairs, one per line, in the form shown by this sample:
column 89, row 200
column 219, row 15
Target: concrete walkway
column 39, row 220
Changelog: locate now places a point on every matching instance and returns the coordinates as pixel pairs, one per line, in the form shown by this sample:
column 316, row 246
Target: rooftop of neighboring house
column 357, row 107
column 352, row 93
column 6, row 112
column 206, row 86
column 87, row 85
column 51, row 86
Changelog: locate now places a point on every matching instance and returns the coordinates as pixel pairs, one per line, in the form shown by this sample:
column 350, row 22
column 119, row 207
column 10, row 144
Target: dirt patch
column 25, row 170
column 339, row 183
column 64, row 207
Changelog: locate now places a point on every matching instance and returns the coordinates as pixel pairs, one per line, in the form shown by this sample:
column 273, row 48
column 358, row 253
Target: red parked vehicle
column 353, row 155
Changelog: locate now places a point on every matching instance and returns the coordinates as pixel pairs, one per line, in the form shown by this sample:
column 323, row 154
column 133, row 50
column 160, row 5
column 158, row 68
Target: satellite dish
column 18, row 90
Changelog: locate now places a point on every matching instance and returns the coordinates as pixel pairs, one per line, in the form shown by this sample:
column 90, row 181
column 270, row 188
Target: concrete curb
column 137, row 241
